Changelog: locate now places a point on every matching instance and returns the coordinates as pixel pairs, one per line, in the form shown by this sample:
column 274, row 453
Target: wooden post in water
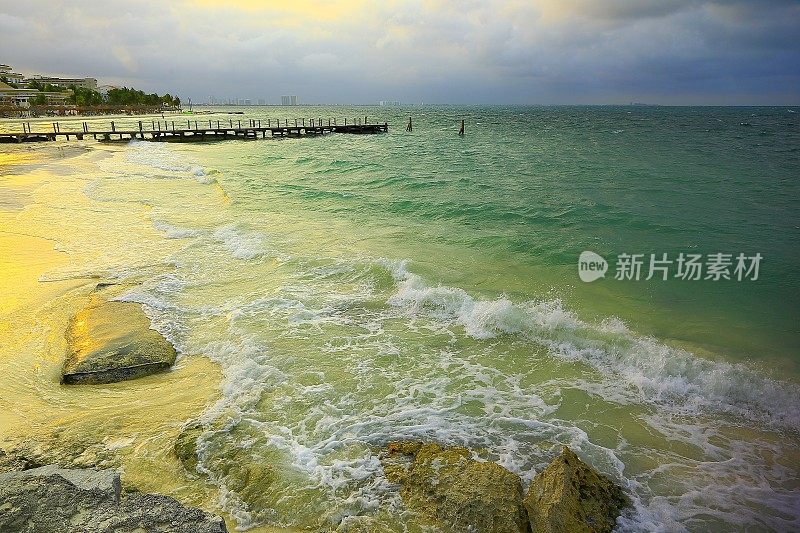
column 173, row 126
column 461, row 131
column 230, row 122
column 113, row 127
column 240, row 124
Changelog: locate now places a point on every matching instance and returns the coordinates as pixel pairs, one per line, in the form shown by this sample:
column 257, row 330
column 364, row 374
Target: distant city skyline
column 671, row 52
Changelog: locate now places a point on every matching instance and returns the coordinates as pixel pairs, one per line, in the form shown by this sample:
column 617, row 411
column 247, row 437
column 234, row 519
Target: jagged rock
column 51, row 499
column 569, row 496
column 456, row 492
column 186, row 446
column 14, row 461
column 249, row 477
column 362, row 524
column 112, row 341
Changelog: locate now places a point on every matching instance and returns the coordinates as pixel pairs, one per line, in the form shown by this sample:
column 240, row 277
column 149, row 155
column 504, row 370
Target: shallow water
column 352, row 290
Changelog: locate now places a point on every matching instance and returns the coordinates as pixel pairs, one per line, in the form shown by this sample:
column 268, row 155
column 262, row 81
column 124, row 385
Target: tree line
column 117, row 97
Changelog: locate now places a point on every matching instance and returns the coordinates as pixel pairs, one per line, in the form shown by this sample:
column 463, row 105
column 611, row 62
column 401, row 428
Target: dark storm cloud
column 668, row 51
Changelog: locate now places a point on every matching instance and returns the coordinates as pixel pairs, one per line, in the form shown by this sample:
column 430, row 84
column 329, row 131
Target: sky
column 672, row 52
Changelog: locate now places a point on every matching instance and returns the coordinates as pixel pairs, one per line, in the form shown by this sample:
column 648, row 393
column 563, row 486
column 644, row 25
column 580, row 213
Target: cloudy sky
column 436, row 51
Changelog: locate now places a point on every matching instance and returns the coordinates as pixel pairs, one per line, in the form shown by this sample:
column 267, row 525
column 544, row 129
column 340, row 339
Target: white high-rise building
column 289, row 100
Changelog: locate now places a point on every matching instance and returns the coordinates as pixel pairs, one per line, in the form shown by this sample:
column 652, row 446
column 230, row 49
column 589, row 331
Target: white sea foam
column 652, row 371
column 159, row 156
column 327, row 431
column 241, row 243
column 173, row 232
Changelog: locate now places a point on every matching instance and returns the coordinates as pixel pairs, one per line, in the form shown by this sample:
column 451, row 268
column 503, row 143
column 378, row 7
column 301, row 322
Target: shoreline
column 63, row 297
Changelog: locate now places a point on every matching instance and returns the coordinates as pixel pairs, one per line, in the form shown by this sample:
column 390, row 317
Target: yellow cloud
column 125, row 58
column 318, row 10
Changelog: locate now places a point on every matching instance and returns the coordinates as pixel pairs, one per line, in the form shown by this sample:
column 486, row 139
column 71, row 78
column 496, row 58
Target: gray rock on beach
column 50, row 498
column 112, row 341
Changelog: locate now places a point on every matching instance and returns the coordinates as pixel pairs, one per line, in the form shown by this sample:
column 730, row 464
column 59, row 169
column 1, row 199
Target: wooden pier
column 199, row 130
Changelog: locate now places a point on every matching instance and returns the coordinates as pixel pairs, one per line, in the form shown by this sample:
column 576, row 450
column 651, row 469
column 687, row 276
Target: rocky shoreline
column 459, row 493
column 442, row 488
column 49, row 499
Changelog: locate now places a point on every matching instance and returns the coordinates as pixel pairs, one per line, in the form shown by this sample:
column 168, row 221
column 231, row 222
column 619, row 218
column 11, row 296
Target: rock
column 15, row 461
column 362, row 524
column 112, row 341
column 248, row 476
column 456, row 492
column 50, row 499
column 186, row 446
column 570, row 496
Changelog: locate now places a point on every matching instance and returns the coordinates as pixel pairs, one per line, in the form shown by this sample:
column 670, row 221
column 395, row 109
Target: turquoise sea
column 355, row 290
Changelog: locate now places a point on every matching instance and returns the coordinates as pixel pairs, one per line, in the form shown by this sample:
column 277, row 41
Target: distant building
column 103, row 89
column 389, row 103
column 289, row 100
column 247, row 101
column 23, row 97
column 10, row 76
column 262, row 101
column 86, row 83
column 16, row 97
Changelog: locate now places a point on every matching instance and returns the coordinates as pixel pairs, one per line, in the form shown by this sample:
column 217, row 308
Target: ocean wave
column 320, row 413
column 159, row 156
column 173, row 232
column 241, row 243
column 652, row 371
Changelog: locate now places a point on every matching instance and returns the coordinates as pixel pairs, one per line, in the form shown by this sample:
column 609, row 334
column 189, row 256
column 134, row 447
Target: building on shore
column 103, row 89
column 86, row 83
column 9, row 76
column 17, row 97
column 289, row 100
column 24, row 98
column 389, row 103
